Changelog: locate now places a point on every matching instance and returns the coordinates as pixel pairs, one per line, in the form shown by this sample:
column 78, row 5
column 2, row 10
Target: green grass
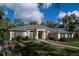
column 37, row 48
column 69, row 42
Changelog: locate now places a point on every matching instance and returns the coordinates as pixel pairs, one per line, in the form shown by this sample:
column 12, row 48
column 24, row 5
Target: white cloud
column 26, row 11
column 69, row 13
column 62, row 14
column 76, row 13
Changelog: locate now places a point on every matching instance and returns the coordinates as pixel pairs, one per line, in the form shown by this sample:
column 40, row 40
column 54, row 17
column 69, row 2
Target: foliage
column 37, row 48
column 48, row 23
column 33, row 23
column 69, row 22
column 68, row 39
column 34, row 49
column 18, row 22
column 43, row 49
column 5, row 24
column 62, row 39
column 18, row 38
column 1, row 13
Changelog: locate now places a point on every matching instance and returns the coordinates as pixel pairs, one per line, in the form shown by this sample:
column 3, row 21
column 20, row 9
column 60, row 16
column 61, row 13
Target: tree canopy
column 69, row 22
column 48, row 23
column 18, row 22
column 33, row 23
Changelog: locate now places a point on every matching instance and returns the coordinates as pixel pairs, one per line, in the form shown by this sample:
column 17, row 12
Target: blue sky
column 49, row 13
column 52, row 13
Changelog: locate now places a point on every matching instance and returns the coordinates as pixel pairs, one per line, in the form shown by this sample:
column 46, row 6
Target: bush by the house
column 68, row 39
column 62, row 39
column 18, row 38
column 26, row 38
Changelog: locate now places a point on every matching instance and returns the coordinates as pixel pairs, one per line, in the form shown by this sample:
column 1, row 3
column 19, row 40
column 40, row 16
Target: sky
column 38, row 12
column 65, row 8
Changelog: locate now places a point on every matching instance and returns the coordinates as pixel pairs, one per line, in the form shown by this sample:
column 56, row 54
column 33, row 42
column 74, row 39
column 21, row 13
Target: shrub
column 26, row 38
column 18, row 38
column 62, row 39
column 68, row 39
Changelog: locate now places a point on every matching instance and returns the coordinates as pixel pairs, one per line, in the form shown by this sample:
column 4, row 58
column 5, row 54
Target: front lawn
column 38, row 48
column 71, row 43
column 68, row 42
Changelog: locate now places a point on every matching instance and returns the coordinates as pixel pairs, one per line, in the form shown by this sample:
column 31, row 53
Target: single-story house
column 39, row 32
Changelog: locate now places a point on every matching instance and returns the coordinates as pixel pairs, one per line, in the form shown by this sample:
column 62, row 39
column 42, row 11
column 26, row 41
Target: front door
column 40, row 33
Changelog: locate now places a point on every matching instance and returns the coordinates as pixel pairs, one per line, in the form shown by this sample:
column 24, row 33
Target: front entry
column 40, row 34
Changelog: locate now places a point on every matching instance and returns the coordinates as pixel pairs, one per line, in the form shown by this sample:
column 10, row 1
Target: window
column 70, row 35
column 62, row 35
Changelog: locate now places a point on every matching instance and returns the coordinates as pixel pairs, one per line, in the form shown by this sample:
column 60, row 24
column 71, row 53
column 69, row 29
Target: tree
column 5, row 25
column 69, row 22
column 1, row 22
column 2, row 13
column 48, row 23
column 18, row 22
column 33, row 23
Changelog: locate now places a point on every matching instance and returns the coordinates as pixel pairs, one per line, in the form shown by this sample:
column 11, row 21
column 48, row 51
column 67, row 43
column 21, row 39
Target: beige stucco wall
column 72, row 35
column 58, row 35
column 36, row 34
column 27, row 33
column 11, row 35
column 24, row 34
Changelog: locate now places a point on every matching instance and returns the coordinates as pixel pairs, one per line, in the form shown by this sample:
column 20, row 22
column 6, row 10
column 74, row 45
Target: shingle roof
column 59, row 30
column 27, row 27
column 31, row 27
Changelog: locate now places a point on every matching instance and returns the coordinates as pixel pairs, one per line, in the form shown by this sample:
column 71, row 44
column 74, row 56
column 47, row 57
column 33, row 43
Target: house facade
column 61, row 33
column 39, row 32
column 32, row 31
